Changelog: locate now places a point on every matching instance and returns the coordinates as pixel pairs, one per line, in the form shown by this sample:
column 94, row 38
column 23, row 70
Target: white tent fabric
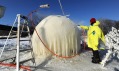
column 60, row 35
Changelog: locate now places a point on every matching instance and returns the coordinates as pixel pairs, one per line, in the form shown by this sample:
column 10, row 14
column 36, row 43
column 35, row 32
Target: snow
column 81, row 62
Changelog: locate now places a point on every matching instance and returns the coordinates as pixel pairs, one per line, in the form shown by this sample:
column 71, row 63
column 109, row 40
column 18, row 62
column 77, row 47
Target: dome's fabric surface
column 60, row 35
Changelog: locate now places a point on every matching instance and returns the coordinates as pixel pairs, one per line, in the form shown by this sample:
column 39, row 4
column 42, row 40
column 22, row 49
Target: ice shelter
column 60, row 35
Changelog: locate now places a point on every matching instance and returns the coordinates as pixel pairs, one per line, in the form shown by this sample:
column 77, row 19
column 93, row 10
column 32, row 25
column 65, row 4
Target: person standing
column 94, row 35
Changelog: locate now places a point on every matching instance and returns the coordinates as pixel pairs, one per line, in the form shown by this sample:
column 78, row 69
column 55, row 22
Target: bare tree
column 107, row 24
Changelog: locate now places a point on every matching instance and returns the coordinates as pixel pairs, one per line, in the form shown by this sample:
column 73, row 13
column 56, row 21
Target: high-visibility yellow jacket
column 94, row 35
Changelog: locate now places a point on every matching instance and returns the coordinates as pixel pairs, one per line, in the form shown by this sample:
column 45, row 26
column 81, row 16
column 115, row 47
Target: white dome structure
column 60, row 35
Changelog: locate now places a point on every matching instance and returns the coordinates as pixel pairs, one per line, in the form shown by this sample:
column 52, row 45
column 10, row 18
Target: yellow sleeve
column 84, row 27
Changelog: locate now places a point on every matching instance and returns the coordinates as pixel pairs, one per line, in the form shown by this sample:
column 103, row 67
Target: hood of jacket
column 97, row 23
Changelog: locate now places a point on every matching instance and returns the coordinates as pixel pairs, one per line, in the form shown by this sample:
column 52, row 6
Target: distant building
column 4, row 30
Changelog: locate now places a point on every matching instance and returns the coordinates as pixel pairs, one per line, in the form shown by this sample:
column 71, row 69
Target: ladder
column 21, row 28
column 19, row 34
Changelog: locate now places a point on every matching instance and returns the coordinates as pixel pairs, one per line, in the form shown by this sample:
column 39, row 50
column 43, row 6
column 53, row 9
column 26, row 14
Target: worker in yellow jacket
column 94, row 35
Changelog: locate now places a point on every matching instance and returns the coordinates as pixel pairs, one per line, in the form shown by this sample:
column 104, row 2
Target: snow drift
column 59, row 34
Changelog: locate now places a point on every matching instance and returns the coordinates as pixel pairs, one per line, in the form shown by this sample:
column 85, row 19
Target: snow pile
column 112, row 39
column 59, row 34
column 112, row 42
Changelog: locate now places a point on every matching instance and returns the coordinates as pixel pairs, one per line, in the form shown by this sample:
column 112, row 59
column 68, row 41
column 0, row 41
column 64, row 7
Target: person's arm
column 83, row 27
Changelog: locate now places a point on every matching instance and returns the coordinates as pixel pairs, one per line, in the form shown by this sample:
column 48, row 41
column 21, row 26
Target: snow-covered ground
column 81, row 62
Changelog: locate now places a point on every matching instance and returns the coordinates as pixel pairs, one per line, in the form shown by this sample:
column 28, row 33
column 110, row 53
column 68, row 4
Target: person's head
column 92, row 21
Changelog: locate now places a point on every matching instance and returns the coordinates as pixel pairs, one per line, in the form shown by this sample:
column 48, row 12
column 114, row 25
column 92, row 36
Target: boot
column 96, row 57
column 96, row 60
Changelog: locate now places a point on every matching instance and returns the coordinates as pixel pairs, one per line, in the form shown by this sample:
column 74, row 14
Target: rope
column 61, row 8
column 14, row 65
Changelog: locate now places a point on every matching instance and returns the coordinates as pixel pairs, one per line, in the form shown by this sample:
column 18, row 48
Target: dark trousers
column 96, row 56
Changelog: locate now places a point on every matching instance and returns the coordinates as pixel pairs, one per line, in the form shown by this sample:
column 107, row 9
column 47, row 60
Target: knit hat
column 92, row 20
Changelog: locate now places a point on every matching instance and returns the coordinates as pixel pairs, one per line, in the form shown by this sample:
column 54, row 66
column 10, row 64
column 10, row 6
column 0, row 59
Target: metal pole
column 18, row 43
column 61, row 7
column 7, row 38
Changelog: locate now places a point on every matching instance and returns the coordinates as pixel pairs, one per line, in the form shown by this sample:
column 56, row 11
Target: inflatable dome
column 60, row 35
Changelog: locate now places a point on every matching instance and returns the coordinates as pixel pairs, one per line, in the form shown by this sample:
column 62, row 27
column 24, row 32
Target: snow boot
column 96, row 57
column 97, row 61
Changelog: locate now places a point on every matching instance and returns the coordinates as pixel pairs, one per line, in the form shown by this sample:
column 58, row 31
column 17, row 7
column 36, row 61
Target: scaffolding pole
column 18, row 43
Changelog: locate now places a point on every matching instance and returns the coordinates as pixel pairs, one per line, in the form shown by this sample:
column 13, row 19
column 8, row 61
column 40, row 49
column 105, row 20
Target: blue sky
column 80, row 11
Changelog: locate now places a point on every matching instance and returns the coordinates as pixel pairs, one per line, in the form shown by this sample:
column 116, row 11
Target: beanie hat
column 92, row 20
